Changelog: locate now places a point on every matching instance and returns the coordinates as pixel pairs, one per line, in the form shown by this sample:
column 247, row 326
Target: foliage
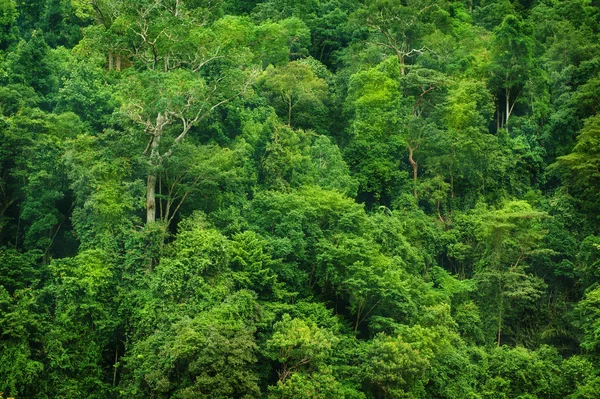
column 299, row 199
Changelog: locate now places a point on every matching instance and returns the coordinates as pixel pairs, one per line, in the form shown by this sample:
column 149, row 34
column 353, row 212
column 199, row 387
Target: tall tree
column 511, row 64
column 168, row 105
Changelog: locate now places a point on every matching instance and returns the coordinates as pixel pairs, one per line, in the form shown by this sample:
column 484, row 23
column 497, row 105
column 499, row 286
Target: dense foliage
column 300, row 199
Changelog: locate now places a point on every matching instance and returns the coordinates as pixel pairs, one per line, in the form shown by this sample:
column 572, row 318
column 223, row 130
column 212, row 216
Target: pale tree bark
column 151, row 198
column 509, row 107
column 154, row 162
column 415, row 166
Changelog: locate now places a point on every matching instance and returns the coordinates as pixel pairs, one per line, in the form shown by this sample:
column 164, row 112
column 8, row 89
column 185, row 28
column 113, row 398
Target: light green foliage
column 9, row 12
column 197, row 252
column 207, row 329
column 19, row 368
column 279, row 42
column 103, row 199
column 254, row 266
column 512, row 59
column 460, row 156
column 376, row 133
column 211, row 354
column 580, row 167
column 303, row 351
column 287, row 160
column 394, row 368
column 296, row 344
column 295, row 223
column 180, row 92
column 295, row 157
column 83, row 322
column 295, row 92
column 396, row 28
column 204, row 174
column 518, row 372
column 586, row 318
column 510, row 237
column 588, row 259
column 331, row 172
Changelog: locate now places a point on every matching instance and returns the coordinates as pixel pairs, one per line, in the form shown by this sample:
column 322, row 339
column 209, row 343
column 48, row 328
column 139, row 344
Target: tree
column 587, row 312
column 396, row 27
column 510, row 236
column 83, row 320
column 158, row 101
column 30, row 65
column 8, row 17
column 393, row 367
column 87, row 91
column 205, row 326
column 302, row 349
column 22, row 333
column 512, row 61
column 294, row 85
column 376, row 111
column 579, row 169
column 460, row 150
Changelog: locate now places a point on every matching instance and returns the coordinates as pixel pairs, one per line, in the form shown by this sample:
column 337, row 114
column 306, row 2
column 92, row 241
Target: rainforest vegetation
column 300, row 199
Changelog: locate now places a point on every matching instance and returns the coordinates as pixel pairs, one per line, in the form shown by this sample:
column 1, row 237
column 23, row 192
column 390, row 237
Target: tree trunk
column 401, row 62
column 151, row 198
column 507, row 108
column 499, row 328
column 290, row 106
column 415, row 167
column 115, row 366
column 154, row 162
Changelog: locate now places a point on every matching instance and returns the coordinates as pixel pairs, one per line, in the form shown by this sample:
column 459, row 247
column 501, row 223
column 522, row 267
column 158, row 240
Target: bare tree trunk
column 401, row 62
column 151, row 198
column 358, row 314
column 110, row 61
column 118, row 64
column 167, row 215
column 115, row 367
column 154, row 161
column 507, row 108
column 414, row 165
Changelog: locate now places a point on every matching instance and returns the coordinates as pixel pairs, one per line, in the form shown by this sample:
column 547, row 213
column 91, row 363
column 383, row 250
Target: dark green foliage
column 299, row 199
column 30, row 65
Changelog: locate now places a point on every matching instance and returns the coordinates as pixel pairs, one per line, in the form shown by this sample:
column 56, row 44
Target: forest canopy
column 300, row 199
